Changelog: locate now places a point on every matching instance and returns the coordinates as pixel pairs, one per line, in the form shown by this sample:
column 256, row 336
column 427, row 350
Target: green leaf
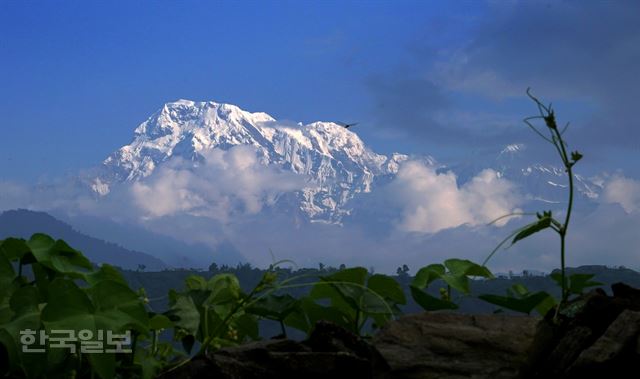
column 7, row 276
column 184, row 313
column 520, row 290
column 103, row 364
column 247, row 326
column 224, row 288
column 315, row 312
column 59, row 256
column 356, row 275
column 579, row 282
column 427, row 275
column 387, row 287
column 345, row 289
column 68, row 307
column 298, row 319
column 105, row 272
column 534, row 227
column 14, row 249
column 196, row 282
column 110, row 295
column 428, row 302
column 464, row 267
column 546, row 305
column 274, row 307
column 525, row 304
column 25, row 314
column 159, row 321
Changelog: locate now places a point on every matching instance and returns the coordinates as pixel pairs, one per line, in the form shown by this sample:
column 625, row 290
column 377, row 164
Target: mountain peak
column 334, row 160
column 513, row 148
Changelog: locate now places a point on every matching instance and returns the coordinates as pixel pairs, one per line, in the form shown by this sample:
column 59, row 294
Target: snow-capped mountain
column 334, row 160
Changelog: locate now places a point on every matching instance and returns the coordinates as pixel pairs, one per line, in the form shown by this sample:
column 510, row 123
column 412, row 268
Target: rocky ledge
column 594, row 336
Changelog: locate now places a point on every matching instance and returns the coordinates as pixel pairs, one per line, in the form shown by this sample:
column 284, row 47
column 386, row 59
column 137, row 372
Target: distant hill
column 158, row 284
column 23, row 223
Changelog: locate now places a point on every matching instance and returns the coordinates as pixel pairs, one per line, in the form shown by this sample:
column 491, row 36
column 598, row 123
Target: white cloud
column 224, row 184
column 623, row 191
column 432, row 201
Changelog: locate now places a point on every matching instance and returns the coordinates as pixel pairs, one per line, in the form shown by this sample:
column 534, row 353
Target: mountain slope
column 24, row 223
column 334, row 160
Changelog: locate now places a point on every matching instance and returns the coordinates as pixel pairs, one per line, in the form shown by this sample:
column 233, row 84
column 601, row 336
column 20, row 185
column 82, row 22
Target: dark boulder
column 330, row 351
column 595, row 335
column 451, row 345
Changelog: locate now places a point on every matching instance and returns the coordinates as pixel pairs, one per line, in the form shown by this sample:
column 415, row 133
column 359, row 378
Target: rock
column 568, row 348
column 595, row 335
column 620, row 339
column 450, row 345
column 329, row 351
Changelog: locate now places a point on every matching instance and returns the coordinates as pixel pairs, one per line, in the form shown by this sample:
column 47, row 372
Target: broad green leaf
column 428, row 274
column 525, row 304
column 344, row 288
column 26, row 315
column 532, row 228
column 105, row 272
column 546, row 305
column 387, row 287
column 579, row 282
column 59, row 256
column 247, row 326
column 110, row 295
column 371, row 303
column 460, row 267
column 159, row 321
column 68, row 307
column 184, row 313
column 315, row 312
column 196, row 282
column 274, row 307
column 103, row 364
column 14, row 249
column 356, row 275
column 460, row 283
column 298, row 319
column 7, row 276
column 520, row 290
column 224, row 288
column 25, row 300
column 428, row 302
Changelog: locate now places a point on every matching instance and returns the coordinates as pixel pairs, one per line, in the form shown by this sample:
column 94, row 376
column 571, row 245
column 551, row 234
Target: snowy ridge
column 335, row 160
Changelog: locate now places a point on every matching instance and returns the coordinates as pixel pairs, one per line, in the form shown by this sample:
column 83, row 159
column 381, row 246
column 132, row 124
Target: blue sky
column 437, row 77
column 423, row 77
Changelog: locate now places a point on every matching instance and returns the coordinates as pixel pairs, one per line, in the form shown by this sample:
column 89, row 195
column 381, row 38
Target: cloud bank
column 223, row 185
column 432, row 201
column 624, row 191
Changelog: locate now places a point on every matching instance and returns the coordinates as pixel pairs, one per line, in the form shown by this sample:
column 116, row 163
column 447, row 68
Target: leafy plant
column 519, row 299
column 56, row 288
column 576, row 283
column 455, row 273
column 545, row 220
column 354, row 298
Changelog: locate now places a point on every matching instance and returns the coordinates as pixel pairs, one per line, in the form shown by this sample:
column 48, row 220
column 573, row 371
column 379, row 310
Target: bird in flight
column 347, row 126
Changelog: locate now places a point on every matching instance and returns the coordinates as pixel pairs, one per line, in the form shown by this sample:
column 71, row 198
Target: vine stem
column 565, row 226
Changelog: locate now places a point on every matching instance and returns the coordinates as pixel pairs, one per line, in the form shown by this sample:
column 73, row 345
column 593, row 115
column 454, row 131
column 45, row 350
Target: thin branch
column 526, row 121
column 511, row 215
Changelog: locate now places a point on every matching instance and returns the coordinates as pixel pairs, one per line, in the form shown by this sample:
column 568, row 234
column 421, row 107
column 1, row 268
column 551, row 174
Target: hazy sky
column 438, row 77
